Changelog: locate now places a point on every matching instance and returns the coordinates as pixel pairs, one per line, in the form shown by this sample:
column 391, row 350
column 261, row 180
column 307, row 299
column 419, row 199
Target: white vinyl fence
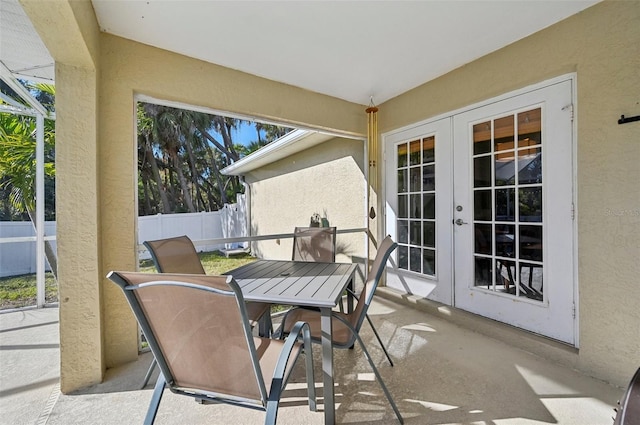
column 20, row 257
column 228, row 222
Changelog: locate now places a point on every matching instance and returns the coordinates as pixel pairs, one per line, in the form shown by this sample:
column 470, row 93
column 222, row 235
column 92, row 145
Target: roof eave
column 291, row 143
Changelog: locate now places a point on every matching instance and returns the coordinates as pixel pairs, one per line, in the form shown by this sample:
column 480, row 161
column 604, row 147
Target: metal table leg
column 327, row 366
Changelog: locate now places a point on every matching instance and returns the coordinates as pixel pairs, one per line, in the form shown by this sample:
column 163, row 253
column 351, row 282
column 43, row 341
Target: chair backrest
column 314, row 244
column 198, row 331
column 175, row 255
column 373, row 278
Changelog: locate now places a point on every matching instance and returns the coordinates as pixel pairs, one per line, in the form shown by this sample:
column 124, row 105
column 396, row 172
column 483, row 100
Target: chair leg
column 375, row 332
column 308, row 357
column 379, row 378
column 277, row 334
column 272, row 412
column 152, row 366
column 155, row 400
column 265, row 327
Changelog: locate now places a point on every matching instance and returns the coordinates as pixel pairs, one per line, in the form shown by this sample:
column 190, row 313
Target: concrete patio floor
column 450, row 368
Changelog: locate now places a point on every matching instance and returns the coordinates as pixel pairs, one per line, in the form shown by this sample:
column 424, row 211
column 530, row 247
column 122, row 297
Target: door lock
column 460, row 222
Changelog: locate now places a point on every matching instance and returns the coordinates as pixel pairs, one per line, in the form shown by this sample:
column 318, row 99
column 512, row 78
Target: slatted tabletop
column 301, row 283
column 293, row 282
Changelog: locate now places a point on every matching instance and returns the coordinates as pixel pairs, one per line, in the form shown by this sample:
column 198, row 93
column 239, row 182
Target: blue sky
column 245, row 134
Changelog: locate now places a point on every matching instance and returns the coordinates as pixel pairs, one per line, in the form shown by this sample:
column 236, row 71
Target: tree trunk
column 225, row 131
column 183, row 182
column 213, row 201
column 192, row 166
column 223, row 193
column 148, row 194
column 169, row 184
column 232, row 154
column 166, row 207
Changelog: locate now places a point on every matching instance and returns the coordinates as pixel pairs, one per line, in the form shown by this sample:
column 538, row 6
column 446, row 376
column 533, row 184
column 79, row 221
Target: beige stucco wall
column 99, row 76
column 327, row 179
column 96, row 198
column 131, row 68
column 602, row 45
column 75, row 46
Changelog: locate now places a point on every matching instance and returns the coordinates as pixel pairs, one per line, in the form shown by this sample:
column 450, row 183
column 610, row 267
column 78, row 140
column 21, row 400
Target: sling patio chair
column 179, row 255
column 346, row 326
column 314, row 244
column 198, row 329
column 319, row 244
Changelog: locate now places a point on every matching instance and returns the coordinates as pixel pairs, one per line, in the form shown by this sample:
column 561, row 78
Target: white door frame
column 437, row 287
column 572, row 77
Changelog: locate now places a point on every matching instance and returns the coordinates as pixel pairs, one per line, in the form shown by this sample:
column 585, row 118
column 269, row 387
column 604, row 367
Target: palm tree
column 187, row 139
column 181, row 153
column 167, row 130
column 18, row 162
column 146, row 146
column 274, row 132
column 259, row 129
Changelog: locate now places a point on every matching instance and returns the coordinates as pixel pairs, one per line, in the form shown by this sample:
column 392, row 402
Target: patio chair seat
column 346, row 326
column 198, row 330
column 341, row 332
column 179, row 255
column 316, row 244
column 319, row 244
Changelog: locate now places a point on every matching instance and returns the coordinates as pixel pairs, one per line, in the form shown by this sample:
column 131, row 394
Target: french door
column 492, row 231
column 419, row 197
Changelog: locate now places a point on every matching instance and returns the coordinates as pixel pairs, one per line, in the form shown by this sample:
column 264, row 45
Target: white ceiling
column 347, row 49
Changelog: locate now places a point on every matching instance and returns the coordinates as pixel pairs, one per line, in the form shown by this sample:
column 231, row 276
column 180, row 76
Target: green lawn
column 20, row 291
column 214, row 263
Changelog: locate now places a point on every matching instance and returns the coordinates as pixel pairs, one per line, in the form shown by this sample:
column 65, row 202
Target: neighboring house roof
column 289, row 144
column 529, row 166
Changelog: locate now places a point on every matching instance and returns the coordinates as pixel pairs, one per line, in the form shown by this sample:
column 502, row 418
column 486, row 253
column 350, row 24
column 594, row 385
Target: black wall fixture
column 624, row 120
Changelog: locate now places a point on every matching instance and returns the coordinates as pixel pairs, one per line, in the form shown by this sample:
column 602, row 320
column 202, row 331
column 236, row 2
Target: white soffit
column 289, row 144
column 346, row 49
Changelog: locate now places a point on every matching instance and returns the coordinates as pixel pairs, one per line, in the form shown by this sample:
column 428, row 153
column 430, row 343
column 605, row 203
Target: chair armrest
column 278, row 383
column 298, row 329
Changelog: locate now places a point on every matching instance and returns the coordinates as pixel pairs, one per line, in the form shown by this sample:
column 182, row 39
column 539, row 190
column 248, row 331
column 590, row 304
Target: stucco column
column 81, row 360
column 70, row 32
column 119, row 206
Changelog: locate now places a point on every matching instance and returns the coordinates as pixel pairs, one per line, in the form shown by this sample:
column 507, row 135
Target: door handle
column 460, row 222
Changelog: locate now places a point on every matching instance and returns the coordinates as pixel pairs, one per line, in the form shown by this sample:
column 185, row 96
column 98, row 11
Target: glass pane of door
column 507, row 209
column 416, row 197
column 513, row 211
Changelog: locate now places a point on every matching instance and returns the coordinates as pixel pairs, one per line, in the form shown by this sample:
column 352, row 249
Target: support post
column 40, row 256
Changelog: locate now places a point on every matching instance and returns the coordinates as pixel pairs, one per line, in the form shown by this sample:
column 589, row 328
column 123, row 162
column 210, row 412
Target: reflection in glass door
column 416, row 196
column 507, row 204
column 418, row 209
column 513, row 211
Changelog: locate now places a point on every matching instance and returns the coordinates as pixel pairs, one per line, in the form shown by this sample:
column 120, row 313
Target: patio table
column 301, row 283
